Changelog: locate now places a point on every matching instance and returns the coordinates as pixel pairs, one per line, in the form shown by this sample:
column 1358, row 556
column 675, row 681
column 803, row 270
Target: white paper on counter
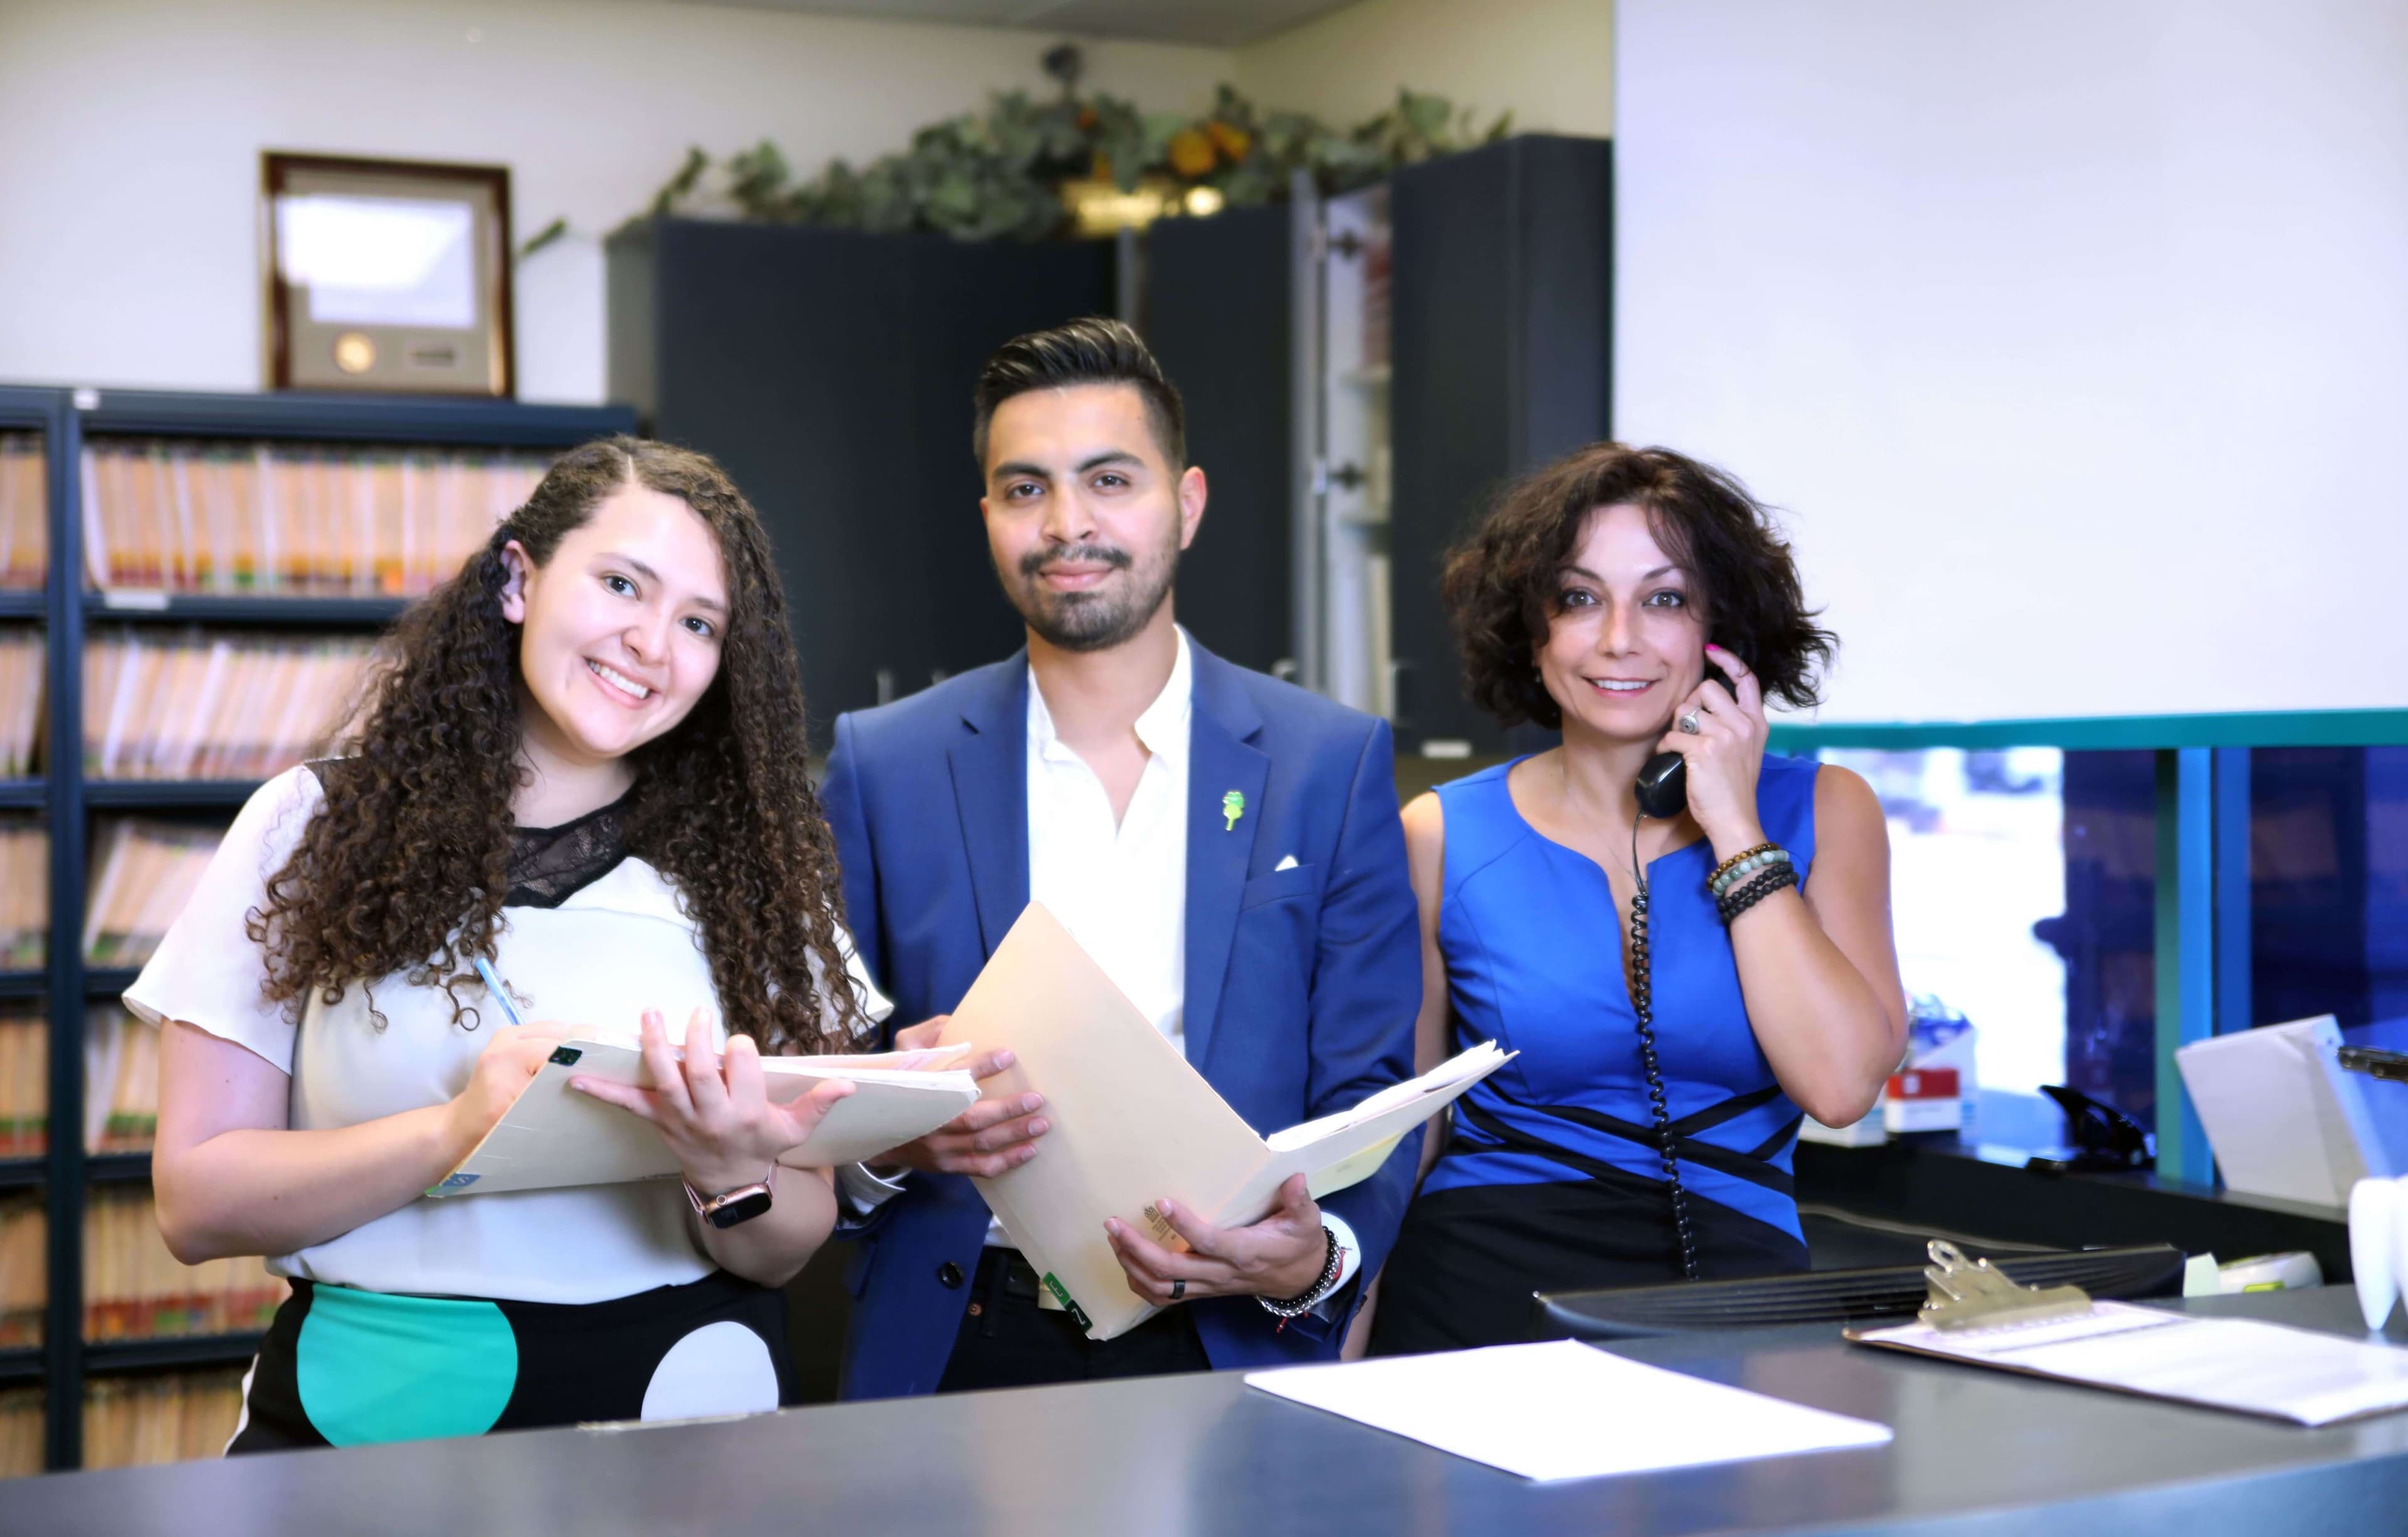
column 2245, row 1364
column 1563, row 1410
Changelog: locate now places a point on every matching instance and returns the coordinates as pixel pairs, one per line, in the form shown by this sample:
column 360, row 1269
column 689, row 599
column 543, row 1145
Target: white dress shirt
column 1120, row 886
column 1120, row 889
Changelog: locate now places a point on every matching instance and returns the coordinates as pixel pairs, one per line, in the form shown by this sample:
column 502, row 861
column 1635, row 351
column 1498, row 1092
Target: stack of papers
column 1565, row 1410
column 2298, row 1374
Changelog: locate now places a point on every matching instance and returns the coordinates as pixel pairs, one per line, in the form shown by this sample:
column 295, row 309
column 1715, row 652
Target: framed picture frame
column 386, row 275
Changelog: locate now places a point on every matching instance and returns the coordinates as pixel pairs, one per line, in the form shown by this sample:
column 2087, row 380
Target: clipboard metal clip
column 1975, row 1294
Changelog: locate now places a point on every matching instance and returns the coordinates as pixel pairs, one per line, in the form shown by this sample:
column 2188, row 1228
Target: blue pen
column 493, row 986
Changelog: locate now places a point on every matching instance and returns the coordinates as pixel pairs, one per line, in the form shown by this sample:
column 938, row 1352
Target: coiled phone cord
column 1642, row 1003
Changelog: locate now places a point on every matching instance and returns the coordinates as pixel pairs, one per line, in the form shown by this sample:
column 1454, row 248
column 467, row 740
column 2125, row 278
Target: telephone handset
column 1664, row 783
column 1663, row 791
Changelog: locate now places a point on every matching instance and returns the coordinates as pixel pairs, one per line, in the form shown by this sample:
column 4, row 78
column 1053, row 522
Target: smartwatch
column 730, row 1207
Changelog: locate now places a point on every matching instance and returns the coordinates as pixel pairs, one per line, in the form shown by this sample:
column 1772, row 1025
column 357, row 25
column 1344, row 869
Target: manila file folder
column 1131, row 1122
column 552, row 1135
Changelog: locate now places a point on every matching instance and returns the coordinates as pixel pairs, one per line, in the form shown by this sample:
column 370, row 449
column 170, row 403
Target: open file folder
column 552, row 1135
column 1132, row 1123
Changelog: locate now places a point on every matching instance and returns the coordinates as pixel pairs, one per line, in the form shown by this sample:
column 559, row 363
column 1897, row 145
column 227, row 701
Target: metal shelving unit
column 65, row 609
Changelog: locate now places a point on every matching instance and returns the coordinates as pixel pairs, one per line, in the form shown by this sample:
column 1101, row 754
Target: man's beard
column 1091, row 621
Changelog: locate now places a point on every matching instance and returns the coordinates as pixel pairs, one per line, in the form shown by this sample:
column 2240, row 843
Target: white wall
column 1548, row 62
column 2074, row 336
column 130, row 136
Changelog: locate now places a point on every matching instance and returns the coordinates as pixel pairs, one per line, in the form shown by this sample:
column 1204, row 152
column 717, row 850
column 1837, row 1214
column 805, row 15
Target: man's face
column 1084, row 515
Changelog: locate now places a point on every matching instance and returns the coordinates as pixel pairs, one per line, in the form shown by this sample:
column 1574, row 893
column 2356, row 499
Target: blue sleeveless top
column 1533, row 948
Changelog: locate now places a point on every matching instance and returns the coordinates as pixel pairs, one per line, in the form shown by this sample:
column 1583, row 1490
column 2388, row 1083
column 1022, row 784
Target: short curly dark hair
column 1500, row 581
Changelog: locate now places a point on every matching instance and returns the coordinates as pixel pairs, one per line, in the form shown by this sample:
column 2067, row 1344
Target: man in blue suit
column 1226, row 846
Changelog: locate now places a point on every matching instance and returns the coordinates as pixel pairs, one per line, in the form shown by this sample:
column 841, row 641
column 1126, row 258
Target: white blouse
column 610, row 952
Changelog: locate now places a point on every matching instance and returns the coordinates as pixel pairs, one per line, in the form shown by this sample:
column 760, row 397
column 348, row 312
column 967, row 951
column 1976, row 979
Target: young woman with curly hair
column 584, row 770
column 1645, row 1131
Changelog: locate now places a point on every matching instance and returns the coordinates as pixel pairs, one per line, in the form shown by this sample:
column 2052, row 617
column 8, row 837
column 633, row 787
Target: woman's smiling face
column 620, row 632
column 1626, row 637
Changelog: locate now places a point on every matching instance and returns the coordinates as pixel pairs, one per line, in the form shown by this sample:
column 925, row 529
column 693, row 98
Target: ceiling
column 1211, row 23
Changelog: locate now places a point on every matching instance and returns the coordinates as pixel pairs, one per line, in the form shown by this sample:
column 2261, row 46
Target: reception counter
column 1976, row 1452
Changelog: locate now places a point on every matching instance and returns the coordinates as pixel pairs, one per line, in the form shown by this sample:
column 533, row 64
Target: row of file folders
column 133, row 1288
column 143, row 871
column 24, row 507
column 130, row 1422
column 198, row 516
column 120, row 1065
column 187, row 704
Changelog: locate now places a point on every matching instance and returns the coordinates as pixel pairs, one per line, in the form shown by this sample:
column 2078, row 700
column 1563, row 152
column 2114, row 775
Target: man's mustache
column 1035, row 561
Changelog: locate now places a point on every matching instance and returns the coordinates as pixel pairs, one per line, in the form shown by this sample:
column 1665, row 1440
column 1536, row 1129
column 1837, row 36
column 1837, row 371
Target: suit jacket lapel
column 990, row 767
column 1221, row 758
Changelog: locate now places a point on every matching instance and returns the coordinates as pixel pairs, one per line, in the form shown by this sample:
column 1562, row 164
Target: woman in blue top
column 1645, row 1131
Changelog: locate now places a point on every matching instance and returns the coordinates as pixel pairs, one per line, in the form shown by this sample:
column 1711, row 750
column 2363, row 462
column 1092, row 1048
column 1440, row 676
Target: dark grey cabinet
column 830, row 372
column 1218, row 317
column 1502, row 340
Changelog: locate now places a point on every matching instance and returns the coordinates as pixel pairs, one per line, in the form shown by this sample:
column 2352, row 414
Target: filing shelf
column 65, row 609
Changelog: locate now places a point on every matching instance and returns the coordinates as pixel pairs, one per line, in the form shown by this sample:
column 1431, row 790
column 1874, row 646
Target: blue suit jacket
column 1302, row 983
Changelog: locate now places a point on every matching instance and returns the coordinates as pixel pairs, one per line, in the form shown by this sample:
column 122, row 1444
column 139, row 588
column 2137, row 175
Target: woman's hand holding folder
column 715, row 1112
column 990, row 1137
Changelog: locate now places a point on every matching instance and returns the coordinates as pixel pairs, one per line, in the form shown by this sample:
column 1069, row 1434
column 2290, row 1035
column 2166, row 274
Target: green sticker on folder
column 1062, row 1294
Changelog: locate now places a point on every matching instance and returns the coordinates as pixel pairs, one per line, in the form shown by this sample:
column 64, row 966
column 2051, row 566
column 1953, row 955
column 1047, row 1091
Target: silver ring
column 1178, row 1290
column 1688, row 723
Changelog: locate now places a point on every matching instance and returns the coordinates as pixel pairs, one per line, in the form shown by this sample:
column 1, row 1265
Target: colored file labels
column 24, row 894
column 24, row 1276
column 199, row 705
column 21, row 700
column 135, row 1289
column 22, row 1431
column 120, row 1078
column 131, row 1422
column 24, row 512
column 24, row 1082
column 219, row 517
column 144, row 873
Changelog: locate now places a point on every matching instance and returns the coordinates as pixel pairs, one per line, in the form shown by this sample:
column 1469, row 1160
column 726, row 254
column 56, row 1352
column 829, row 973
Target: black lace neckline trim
column 550, row 864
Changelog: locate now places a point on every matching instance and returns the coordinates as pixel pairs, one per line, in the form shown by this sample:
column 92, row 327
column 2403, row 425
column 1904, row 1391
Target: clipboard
column 1977, row 1317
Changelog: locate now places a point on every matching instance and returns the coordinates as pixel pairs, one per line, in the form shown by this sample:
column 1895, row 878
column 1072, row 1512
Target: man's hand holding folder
column 999, row 1132
column 1280, row 1256
column 1129, row 1123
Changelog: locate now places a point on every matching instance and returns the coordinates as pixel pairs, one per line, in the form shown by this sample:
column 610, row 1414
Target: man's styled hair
column 1094, row 350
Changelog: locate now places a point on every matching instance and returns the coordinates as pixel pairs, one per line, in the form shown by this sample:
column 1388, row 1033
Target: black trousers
column 1007, row 1340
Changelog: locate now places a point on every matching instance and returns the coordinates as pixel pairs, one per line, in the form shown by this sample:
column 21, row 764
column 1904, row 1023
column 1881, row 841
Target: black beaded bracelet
column 1331, row 1264
column 1731, row 904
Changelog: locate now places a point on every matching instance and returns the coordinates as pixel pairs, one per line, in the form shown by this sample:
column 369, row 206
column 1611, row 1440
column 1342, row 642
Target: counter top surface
column 1975, row 1451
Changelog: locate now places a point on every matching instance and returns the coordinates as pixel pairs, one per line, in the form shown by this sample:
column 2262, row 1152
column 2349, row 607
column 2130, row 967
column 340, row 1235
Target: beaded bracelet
column 1723, row 871
column 1765, row 885
column 1333, row 1263
column 1763, row 856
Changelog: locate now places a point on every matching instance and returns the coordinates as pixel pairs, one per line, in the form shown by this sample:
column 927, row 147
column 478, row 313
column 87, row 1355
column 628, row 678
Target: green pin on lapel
column 1233, row 806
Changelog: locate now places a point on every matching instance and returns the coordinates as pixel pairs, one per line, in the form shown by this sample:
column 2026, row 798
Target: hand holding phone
column 1711, row 773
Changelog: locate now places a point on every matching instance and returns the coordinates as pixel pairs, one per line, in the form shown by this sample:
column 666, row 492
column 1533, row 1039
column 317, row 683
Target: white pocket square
column 1288, row 863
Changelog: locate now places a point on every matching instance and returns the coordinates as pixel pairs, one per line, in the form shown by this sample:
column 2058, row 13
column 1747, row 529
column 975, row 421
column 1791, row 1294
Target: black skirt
column 1467, row 1260
column 341, row 1366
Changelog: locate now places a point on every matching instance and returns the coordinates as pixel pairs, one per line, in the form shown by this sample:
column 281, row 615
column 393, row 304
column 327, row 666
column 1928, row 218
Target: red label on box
column 1923, row 1083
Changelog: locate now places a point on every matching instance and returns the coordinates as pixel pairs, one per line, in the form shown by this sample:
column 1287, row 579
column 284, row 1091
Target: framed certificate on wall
column 386, row 275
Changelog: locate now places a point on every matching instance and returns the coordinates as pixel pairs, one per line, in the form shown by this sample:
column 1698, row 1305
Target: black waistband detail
column 1744, row 1166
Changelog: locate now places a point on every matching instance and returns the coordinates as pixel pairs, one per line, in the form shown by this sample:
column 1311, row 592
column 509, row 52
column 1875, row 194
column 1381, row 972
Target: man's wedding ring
column 1178, row 1290
column 1688, row 723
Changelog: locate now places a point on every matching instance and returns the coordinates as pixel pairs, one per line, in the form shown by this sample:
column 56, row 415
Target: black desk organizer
column 63, row 606
column 1832, row 1297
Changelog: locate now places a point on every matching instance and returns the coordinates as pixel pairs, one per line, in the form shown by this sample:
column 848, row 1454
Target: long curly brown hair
column 405, row 866
column 1499, row 582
